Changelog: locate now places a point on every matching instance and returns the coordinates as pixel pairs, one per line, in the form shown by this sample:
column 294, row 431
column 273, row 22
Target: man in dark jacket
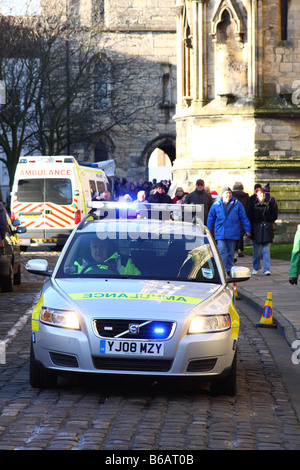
column 239, row 193
column 200, row 196
column 160, row 196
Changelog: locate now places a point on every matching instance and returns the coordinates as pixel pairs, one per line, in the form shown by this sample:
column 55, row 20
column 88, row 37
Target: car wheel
column 226, row 385
column 7, row 282
column 39, row 377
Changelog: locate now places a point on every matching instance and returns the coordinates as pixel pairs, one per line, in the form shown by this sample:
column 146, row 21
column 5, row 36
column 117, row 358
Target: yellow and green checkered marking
column 36, row 314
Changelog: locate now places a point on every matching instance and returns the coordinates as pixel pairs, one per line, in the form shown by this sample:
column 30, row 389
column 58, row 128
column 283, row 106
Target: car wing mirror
column 238, row 274
column 38, row 266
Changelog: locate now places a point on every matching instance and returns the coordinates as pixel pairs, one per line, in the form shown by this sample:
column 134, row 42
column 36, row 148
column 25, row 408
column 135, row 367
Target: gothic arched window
column 284, row 20
column 101, row 83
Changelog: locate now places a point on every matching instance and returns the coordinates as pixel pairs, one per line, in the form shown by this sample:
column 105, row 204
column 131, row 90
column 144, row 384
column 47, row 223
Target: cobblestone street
column 142, row 414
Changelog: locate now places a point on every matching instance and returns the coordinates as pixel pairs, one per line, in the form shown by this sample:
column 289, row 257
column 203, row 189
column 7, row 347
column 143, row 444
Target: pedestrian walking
column 243, row 197
column 160, row 196
column 295, row 259
column 267, row 189
column 262, row 214
column 200, row 196
column 141, row 197
column 179, row 196
column 225, row 218
column 252, row 198
column 214, row 195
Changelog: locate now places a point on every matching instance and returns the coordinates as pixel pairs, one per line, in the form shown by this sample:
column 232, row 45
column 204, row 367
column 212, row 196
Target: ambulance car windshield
column 88, row 256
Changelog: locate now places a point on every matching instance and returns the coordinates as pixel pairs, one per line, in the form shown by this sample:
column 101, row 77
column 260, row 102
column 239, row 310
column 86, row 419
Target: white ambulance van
column 49, row 196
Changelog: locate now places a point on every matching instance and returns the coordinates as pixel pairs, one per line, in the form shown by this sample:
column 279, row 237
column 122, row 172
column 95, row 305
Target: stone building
column 238, row 94
column 136, row 83
column 134, row 79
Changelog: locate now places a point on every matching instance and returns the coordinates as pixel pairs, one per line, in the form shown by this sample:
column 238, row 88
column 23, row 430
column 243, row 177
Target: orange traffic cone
column 267, row 315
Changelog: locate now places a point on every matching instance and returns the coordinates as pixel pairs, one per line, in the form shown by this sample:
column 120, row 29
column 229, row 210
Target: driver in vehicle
column 103, row 261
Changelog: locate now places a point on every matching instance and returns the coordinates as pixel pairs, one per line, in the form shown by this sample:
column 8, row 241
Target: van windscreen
column 57, row 191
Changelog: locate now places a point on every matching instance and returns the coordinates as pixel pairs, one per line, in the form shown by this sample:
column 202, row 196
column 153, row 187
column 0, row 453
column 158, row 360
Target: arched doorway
column 159, row 157
column 159, row 166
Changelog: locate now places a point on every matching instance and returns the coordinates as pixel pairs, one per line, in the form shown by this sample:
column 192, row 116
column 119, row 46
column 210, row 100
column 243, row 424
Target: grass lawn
column 277, row 251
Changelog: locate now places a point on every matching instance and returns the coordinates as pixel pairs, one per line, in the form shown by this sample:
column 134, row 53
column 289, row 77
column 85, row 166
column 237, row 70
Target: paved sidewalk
column 286, row 298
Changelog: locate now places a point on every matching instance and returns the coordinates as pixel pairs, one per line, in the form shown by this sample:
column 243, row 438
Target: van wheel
column 39, row 377
column 226, row 385
column 7, row 282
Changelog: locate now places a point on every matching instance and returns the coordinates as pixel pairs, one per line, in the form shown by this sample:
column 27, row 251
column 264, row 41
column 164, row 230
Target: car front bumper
column 62, row 350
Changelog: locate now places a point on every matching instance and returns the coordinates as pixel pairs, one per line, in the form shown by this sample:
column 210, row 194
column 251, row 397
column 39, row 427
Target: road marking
column 19, row 325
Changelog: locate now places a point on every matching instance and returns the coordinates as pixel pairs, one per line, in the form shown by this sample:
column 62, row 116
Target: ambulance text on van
column 50, row 194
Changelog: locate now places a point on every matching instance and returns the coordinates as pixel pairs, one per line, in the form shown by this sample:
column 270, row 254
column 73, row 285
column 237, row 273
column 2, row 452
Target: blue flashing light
column 159, row 331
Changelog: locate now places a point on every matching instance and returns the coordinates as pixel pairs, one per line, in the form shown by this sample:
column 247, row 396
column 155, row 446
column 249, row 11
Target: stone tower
column 238, row 94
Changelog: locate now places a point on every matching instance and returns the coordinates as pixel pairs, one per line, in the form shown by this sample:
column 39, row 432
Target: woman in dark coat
column 260, row 211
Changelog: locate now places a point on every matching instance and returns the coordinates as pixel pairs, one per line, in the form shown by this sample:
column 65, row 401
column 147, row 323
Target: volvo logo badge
column 134, row 328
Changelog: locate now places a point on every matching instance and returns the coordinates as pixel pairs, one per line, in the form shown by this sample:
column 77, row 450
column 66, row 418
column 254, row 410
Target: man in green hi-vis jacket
column 101, row 261
column 295, row 259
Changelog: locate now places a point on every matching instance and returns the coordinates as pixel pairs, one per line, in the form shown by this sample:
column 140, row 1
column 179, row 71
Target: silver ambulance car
column 140, row 294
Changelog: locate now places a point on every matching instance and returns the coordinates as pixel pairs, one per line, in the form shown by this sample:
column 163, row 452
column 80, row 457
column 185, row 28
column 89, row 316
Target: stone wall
column 130, row 15
column 238, row 103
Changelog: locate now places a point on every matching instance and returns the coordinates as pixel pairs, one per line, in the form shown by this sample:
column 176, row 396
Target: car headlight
column 61, row 318
column 209, row 323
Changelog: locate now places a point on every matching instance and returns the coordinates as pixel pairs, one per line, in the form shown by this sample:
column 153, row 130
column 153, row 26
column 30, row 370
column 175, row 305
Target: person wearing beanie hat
column 214, row 194
column 225, row 189
column 160, row 196
column 252, row 198
column 200, row 196
column 270, row 198
column 225, row 218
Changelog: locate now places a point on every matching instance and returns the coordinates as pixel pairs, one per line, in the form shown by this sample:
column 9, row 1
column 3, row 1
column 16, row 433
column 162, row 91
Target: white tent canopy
column 108, row 166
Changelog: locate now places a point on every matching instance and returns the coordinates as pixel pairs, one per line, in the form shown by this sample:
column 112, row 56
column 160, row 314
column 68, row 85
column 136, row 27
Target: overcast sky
column 19, row 7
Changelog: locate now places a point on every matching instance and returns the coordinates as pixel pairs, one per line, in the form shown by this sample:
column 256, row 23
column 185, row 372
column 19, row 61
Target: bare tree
column 46, row 63
column 21, row 88
column 67, row 83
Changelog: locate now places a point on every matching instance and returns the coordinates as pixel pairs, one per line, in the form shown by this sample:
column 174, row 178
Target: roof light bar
column 193, row 213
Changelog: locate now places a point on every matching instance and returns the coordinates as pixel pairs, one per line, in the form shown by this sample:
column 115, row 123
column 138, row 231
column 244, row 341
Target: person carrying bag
column 263, row 233
column 262, row 215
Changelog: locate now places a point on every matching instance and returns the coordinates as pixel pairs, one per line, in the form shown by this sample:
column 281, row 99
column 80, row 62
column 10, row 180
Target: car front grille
column 134, row 329
column 128, row 364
